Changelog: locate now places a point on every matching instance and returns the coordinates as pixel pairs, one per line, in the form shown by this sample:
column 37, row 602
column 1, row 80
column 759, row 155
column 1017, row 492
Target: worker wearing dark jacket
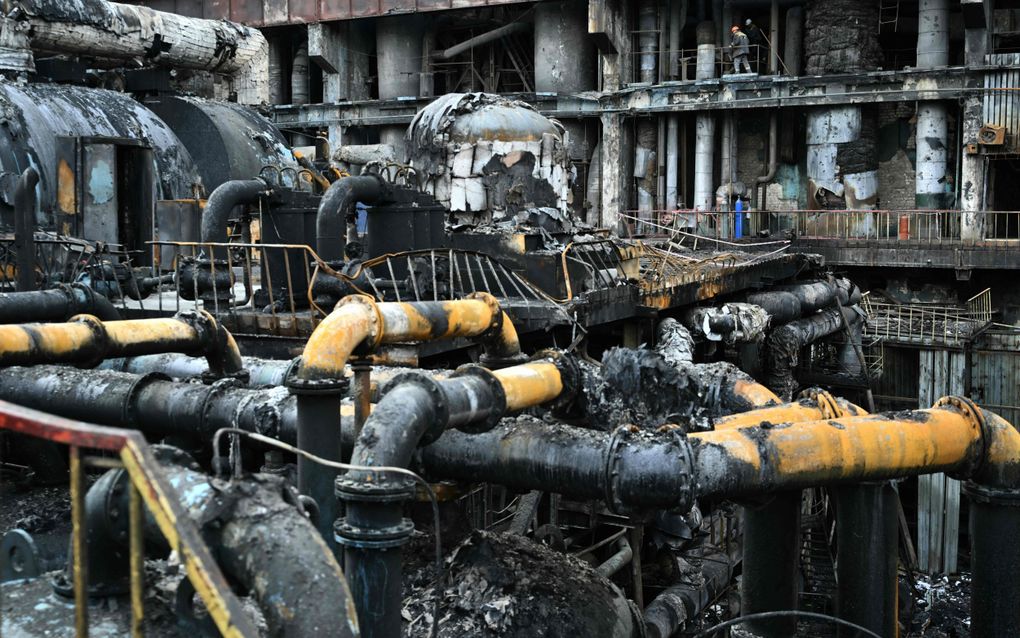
column 739, row 49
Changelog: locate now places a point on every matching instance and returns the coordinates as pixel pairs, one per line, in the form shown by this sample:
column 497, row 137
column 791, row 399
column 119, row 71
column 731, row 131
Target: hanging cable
column 788, row 612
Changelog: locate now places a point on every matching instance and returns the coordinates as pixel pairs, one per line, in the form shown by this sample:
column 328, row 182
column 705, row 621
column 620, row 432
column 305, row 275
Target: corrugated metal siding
column 897, row 388
column 995, row 375
column 1002, row 102
column 265, row 13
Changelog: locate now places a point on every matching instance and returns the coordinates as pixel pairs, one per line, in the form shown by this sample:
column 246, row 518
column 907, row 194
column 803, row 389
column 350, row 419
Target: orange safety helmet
column 734, row 29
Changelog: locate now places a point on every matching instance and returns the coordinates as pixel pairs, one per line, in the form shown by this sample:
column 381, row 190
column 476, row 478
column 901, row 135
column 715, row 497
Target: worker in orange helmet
column 739, row 50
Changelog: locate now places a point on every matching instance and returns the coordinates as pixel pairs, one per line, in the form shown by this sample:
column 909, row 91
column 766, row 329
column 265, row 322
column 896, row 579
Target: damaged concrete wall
column 487, row 157
column 840, row 37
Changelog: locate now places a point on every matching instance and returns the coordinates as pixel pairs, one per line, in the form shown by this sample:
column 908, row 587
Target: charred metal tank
column 487, row 157
column 87, row 144
column 227, row 141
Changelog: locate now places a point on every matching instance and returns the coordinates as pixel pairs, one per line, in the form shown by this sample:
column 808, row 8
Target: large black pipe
column 771, row 563
column 995, row 561
column 676, row 605
column 415, row 408
column 222, row 202
column 262, row 541
column 784, row 344
column 24, row 228
column 58, row 304
column 151, row 403
column 866, row 556
column 261, row 372
column 331, row 219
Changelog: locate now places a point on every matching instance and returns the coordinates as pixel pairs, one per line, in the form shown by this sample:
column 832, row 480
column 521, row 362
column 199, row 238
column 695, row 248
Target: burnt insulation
column 861, row 155
column 510, row 586
column 841, row 36
column 640, row 387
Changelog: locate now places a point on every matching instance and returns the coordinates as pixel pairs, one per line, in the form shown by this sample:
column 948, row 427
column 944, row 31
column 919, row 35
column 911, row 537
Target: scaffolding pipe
column 484, row 38
column 87, row 341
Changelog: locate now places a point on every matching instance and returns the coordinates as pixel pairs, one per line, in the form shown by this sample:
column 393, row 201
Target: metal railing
column 924, row 226
column 244, row 278
column 57, row 260
column 722, row 62
column 149, row 487
column 600, row 262
column 926, row 323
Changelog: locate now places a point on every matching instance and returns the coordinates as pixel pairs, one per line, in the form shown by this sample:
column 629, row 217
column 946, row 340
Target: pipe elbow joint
column 218, row 345
column 501, row 345
column 354, row 327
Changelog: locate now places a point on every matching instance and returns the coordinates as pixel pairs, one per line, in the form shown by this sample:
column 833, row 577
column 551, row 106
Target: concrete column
column 931, row 167
column 647, row 39
column 774, row 38
column 933, row 34
column 793, row 48
column 567, row 55
column 610, row 151
column 299, row 88
column 972, row 174
column 276, row 63
column 398, row 43
column 704, row 146
column 932, row 129
column 677, row 19
column 704, row 139
column 645, row 165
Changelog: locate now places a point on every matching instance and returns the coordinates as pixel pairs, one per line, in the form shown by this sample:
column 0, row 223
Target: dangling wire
column 779, row 614
column 438, row 588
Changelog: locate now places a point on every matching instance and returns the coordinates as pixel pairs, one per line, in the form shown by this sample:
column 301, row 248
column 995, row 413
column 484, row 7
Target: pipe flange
column 977, row 420
column 826, row 403
column 439, row 402
column 617, row 441
column 215, row 390
column 497, row 312
column 615, row 461
column 374, row 339
column 571, row 377
column 372, row 491
column 101, row 340
column 498, row 398
column 313, row 387
column 991, row 495
column 372, row 537
column 128, row 412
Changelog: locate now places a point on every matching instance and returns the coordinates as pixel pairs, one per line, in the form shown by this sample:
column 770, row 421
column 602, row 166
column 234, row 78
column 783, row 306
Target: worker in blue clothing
column 738, row 220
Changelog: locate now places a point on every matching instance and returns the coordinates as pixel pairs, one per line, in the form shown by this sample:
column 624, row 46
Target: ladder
column 888, row 14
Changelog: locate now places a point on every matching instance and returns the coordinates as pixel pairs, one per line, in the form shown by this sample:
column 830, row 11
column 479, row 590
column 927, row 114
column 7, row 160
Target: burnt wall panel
column 246, row 12
column 335, row 9
column 364, row 8
column 397, row 6
column 304, row 10
column 217, row 9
